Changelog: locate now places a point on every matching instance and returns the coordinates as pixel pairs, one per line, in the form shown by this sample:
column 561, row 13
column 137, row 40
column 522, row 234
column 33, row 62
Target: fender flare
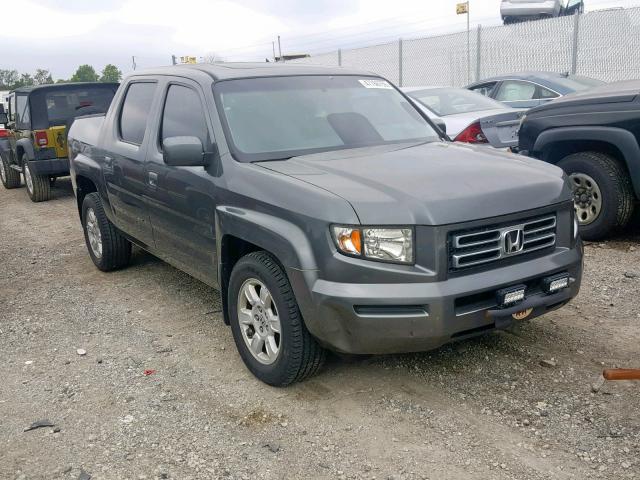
column 282, row 238
column 84, row 166
column 622, row 139
column 285, row 240
column 27, row 146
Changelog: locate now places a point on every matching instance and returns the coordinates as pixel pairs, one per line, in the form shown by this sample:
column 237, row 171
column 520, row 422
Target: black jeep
column 38, row 120
column 594, row 137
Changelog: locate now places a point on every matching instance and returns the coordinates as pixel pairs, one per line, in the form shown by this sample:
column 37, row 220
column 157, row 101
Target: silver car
column 522, row 10
column 468, row 117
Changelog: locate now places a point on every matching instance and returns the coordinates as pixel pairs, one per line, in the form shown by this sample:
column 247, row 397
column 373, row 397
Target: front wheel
column 108, row 249
column 602, row 193
column 267, row 326
column 38, row 186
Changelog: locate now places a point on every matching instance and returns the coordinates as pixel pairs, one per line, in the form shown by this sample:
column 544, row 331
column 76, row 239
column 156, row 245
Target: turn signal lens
column 348, row 240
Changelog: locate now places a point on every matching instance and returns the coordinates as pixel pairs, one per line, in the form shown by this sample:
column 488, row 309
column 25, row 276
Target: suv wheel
column 10, row 178
column 602, row 192
column 38, row 186
column 267, row 326
column 108, row 249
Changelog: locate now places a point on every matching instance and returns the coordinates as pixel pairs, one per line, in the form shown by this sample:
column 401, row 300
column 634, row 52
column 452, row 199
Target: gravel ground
column 161, row 392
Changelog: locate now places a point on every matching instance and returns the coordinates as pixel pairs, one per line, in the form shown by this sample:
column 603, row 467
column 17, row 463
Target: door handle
column 152, row 179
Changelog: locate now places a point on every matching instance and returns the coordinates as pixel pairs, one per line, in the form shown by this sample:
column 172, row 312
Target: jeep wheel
column 267, row 326
column 108, row 249
column 602, row 193
column 10, row 177
column 38, row 186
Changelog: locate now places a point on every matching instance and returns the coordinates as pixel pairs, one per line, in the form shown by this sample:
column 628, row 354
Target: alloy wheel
column 259, row 321
column 93, row 233
column 27, row 178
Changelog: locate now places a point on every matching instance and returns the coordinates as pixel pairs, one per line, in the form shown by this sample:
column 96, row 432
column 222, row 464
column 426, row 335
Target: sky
column 59, row 35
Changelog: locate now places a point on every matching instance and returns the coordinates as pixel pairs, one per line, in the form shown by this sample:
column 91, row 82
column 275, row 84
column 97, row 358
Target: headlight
column 383, row 244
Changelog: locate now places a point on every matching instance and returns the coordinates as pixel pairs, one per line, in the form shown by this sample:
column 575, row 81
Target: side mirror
column 440, row 124
column 183, row 152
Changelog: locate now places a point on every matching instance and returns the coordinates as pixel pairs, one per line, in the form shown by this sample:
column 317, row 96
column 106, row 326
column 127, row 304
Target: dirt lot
column 481, row 409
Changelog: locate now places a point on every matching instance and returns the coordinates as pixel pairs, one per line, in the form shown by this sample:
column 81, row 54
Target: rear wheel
column 38, row 186
column 108, row 249
column 267, row 326
column 10, row 178
column 602, row 193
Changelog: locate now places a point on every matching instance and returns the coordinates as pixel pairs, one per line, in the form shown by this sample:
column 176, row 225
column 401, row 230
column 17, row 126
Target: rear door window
column 516, row 91
column 135, row 111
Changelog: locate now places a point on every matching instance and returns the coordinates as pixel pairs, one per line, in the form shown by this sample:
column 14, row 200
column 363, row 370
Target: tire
column 113, row 251
column 38, row 186
column 298, row 354
column 611, row 183
column 10, row 177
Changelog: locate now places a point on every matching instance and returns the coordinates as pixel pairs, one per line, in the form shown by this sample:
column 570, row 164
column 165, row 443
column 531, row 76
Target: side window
column 183, row 115
column 12, row 108
column 545, row 93
column 23, row 115
column 135, row 111
column 484, row 89
column 514, row 91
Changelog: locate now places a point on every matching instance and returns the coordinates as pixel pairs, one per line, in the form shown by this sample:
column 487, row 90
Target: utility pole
column 133, row 61
column 280, row 49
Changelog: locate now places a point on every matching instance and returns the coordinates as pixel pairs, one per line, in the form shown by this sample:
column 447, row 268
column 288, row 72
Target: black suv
column 594, row 137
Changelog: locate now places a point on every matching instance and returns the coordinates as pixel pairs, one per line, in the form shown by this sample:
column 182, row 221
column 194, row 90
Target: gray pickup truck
column 329, row 212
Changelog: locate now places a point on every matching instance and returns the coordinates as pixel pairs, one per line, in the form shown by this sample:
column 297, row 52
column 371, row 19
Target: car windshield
column 281, row 117
column 450, row 101
column 577, row 83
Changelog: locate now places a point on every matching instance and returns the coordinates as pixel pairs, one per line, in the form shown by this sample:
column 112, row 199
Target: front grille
column 490, row 244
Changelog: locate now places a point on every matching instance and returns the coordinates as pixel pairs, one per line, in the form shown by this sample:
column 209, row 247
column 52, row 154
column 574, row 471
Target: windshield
column 577, row 83
column 450, row 101
column 281, row 117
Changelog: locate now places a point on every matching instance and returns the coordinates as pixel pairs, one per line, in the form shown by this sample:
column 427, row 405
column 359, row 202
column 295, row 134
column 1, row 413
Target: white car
column 469, row 117
column 522, row 10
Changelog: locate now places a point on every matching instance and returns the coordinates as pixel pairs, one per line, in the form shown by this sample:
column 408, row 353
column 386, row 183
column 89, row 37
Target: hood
column 616, row 92
column 429, row 184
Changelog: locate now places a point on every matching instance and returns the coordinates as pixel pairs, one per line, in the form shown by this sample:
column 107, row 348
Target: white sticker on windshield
column 371, row 83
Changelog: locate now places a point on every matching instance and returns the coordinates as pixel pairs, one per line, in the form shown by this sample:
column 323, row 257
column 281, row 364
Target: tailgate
column 502, row 130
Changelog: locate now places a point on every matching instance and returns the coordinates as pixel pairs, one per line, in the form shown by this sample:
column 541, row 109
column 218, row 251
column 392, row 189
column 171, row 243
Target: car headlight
column 383, row 244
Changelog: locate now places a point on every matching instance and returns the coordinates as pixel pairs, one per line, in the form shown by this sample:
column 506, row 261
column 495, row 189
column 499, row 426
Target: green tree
column 25, row 80
column 111, row 73
column 85, row 73
column 42, row 77
column 8, row 79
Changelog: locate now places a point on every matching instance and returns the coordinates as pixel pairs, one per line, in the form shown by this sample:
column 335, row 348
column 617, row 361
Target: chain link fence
column 601, row 44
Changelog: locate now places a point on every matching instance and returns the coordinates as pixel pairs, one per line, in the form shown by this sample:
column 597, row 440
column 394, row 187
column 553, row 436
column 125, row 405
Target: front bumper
column 58, row 167
column 394, row 318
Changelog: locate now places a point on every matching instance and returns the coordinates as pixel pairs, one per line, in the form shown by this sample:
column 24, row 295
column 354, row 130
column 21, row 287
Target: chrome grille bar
column 486, row 245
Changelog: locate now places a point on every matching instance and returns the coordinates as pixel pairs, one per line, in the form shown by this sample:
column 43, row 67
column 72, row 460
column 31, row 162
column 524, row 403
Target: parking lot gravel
column 138, row 378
